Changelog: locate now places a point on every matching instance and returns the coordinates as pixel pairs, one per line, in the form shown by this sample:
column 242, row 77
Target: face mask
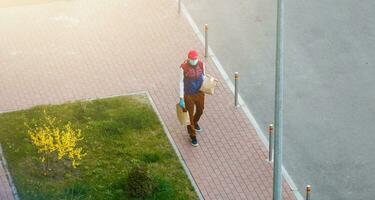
column 193, row 62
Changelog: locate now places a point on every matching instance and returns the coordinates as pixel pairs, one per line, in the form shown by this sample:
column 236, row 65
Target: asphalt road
column 329, row 137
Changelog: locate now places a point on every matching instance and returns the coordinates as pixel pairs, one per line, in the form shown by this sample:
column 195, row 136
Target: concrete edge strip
column 3, row 163
column 247, row 111
column 171, row 141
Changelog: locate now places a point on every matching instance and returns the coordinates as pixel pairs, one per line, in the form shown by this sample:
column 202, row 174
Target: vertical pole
column 179, row 6
column 279, row 107
column 308, row 190
column 270, row 143
column 236, row 78
column 205, row 40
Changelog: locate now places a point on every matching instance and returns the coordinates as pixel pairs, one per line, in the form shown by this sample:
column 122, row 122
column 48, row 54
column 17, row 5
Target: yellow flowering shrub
column 55, row 143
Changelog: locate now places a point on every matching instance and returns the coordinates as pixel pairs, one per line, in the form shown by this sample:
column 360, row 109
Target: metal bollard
column 308, row 191
column 205, row 41
column 236, row 77
column 270, row 143
column 179, row 6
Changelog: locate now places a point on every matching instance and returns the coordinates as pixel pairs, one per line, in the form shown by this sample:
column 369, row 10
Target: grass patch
column 120, row 133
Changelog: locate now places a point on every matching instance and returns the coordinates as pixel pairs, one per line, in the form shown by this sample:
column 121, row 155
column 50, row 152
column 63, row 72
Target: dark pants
column 192, row 100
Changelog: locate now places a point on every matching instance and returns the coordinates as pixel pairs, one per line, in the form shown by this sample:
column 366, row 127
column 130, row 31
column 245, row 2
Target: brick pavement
column 68, row 50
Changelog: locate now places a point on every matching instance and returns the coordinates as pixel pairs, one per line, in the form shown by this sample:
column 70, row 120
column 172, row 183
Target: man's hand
column 182, row 103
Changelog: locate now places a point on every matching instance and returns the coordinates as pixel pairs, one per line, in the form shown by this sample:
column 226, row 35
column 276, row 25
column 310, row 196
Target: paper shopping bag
column 209, row 85
column 182, row 115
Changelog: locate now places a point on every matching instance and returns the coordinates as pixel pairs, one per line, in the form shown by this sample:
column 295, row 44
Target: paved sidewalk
column 69, row 50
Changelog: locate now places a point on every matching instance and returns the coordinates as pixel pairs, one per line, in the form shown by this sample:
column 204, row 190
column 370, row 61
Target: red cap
column 193, row 54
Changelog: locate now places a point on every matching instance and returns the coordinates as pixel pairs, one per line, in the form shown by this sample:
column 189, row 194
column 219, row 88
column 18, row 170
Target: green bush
column 140, row 183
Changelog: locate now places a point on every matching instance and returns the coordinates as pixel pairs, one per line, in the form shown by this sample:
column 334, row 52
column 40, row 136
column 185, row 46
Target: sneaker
column 197, row 127
column 194, row 142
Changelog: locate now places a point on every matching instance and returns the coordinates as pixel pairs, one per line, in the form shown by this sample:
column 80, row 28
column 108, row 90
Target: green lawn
column 119, row 133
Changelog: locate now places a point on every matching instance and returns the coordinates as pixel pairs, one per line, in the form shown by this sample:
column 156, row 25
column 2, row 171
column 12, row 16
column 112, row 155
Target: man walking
column 191, row 79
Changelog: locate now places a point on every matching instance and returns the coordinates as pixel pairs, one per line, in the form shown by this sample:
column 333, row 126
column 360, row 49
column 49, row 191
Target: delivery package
column 209, row 85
